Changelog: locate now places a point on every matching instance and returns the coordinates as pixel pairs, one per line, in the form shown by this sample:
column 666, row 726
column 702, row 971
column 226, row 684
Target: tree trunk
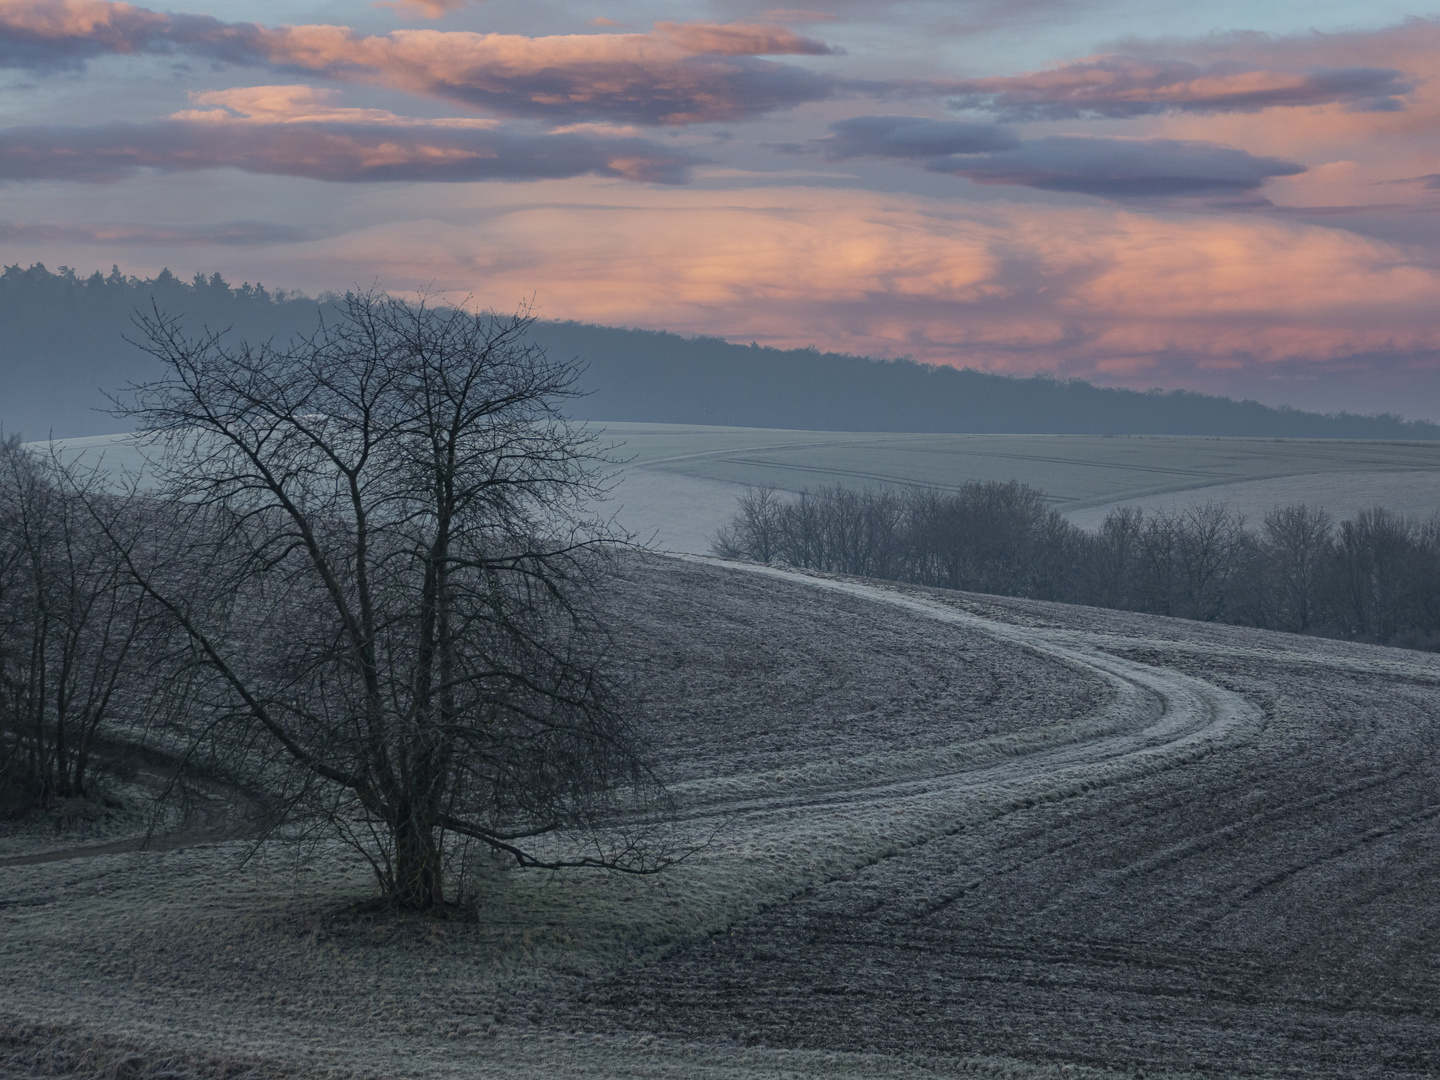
column 417, row 884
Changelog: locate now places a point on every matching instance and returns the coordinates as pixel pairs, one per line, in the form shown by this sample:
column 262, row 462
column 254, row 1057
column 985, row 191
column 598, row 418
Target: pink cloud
column 298, row 131
column 739, row 39
column 1097, row 292
column 63, row 33
column 307, row 105
column 1123, row 86
column 679, row 73
column 1090, row 292
column 1354, row 153
column 425, row 9
column 646, row 78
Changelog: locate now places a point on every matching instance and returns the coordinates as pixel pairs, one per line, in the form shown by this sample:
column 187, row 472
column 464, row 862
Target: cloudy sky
column 1235, row 197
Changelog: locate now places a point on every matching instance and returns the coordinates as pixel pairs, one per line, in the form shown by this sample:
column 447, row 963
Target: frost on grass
column 949, row 834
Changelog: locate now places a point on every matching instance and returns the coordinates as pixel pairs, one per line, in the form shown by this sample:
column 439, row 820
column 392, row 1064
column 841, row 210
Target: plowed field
column 950, row 833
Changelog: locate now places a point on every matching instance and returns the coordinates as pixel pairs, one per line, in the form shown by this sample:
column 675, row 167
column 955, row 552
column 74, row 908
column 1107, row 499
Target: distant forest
column 62, row 345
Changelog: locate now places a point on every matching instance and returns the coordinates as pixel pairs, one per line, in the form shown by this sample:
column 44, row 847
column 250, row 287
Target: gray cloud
column 225, row 232
column 695, row 89
column 1120, row 168
column 911, row 137
column 43, row 35
column 344, row 152
column 1125, row 86
column 1115, row 168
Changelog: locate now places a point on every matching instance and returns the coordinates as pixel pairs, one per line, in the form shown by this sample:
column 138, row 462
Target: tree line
column 360, row 581
column 77, row 323
column 66, row 334
column 1374, row 577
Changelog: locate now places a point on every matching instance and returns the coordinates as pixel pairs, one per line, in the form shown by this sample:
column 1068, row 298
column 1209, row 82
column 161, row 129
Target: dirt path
column 1241, row 880
column 1158, row 716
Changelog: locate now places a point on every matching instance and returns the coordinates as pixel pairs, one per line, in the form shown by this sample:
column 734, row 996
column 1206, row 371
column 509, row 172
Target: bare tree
column 1159, row 563
column 756, row 532
column 1209, row 540
column 1114, row 557
column 1376, row 557
column 988, row 536
column 71, row 624
column 1297, row 544
column 376, row 555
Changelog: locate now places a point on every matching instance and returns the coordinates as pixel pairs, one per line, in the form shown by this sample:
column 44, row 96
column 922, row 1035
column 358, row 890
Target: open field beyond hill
column 956, row 833
column 680, row 482
column 1076, row 470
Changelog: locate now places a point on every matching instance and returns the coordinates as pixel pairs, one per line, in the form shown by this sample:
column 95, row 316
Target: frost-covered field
column 681, row 482
column 678, row 483
column 1415, row 493
column 956, row 833
column 1078, row 470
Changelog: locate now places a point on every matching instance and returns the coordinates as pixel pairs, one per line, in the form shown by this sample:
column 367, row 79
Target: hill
column 949, row 835
column 659, row 377
column 63, row 341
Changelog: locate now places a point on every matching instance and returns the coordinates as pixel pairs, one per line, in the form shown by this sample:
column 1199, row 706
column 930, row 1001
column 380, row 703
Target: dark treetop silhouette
column 53, row 323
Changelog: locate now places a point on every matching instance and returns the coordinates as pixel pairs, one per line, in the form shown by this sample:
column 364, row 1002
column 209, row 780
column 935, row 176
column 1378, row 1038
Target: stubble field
column 951, row 834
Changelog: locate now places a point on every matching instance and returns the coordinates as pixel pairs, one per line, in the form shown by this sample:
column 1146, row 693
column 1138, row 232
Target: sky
column 1231, row 197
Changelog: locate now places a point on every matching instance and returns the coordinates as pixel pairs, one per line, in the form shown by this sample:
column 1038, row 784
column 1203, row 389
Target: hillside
column 63, row 341
column 949, row 834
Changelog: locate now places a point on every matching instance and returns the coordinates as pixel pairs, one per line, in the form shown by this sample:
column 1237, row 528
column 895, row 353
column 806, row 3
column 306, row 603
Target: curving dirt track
column 959, row 833
column 1243, row 884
